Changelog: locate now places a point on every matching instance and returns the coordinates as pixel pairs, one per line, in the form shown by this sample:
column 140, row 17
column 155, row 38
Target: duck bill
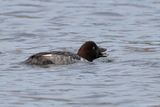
column 103, row 52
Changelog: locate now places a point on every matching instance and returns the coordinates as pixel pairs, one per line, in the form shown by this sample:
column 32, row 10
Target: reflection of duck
column 88, row 51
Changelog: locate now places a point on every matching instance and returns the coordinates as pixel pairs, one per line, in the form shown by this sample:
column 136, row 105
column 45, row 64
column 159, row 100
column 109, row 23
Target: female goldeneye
column 88, row 51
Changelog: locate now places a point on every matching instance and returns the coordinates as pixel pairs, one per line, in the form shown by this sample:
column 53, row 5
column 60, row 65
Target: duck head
column 90, row 51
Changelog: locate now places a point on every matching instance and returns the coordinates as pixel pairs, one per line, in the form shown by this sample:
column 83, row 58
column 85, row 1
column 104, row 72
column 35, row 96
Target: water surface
column 129, row 30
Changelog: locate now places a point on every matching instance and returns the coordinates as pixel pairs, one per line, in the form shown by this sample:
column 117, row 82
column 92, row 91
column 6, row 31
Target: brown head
column 90, row 51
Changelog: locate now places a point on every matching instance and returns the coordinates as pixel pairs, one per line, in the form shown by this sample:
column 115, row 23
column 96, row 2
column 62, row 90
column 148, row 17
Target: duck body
column 88, row 51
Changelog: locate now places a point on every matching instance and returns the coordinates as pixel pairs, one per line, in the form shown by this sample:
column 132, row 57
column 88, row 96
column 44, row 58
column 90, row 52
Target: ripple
column 30, row 5
column 140, row 49
column 18, row 12
column 132, row 5
column 20, row 16
column 25, row 34
column 46, row 98
column 143, row 63
column 83, row 7
column 156, row 2
column 94, row 96
column 112, row 14
column 155, row 106
column 153, row 42
column 44, row 0
column 93, row 104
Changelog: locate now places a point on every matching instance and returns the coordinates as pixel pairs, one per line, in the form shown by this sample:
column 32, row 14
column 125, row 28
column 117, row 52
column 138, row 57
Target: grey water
column 129, row 29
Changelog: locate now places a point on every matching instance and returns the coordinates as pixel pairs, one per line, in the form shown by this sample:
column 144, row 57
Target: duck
column 88, row 51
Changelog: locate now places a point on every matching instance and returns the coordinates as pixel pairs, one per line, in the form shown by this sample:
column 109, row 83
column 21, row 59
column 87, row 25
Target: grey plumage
column 54, row 57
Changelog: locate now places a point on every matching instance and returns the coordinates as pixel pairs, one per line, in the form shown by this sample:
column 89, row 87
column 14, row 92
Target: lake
column 128, row 77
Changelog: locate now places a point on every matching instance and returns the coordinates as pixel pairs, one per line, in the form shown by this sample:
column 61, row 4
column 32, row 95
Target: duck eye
column 93, row 48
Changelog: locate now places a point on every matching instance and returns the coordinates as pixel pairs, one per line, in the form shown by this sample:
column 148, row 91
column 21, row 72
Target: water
column 129, row 30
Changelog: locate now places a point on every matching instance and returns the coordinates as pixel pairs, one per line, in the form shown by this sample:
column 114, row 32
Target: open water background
column 129, row 29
